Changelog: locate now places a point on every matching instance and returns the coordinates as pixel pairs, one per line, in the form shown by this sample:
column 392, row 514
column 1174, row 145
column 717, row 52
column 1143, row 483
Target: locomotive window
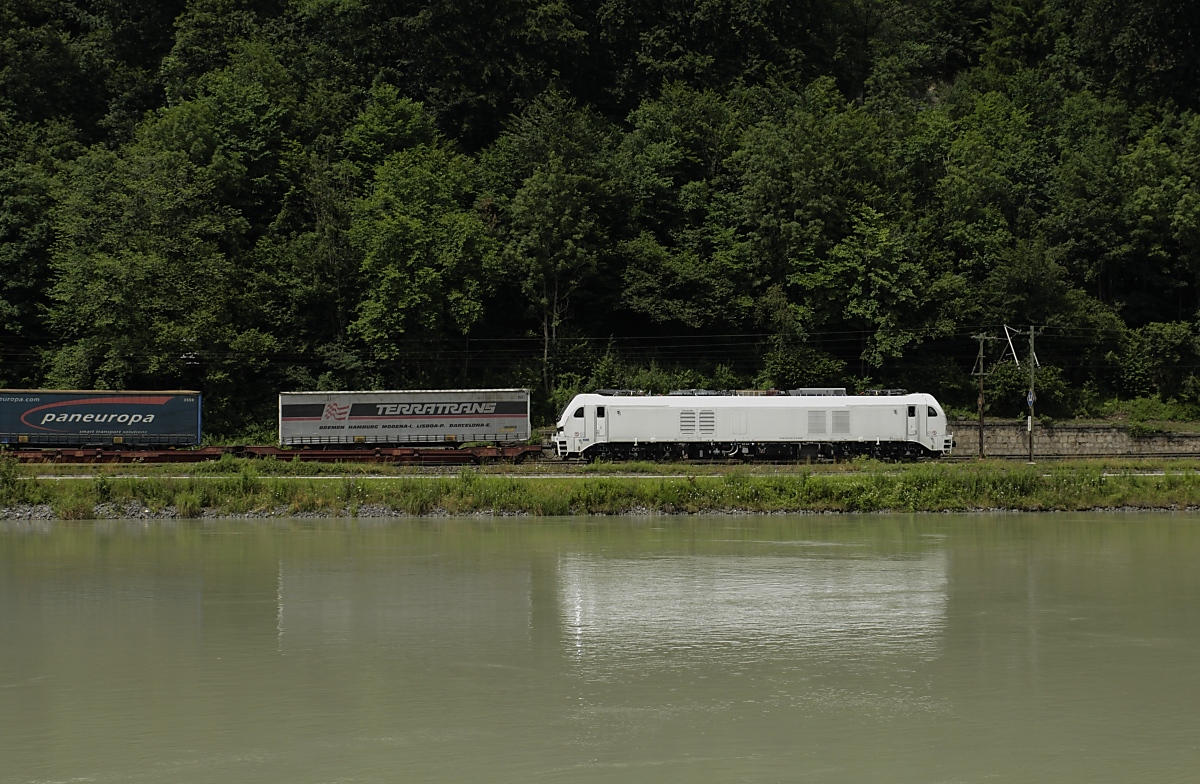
column 600, row 412
column 579, row 413
column 912, row 411
column 932, row 411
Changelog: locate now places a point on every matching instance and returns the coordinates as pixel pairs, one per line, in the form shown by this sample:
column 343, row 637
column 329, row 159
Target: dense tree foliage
column 245, row 196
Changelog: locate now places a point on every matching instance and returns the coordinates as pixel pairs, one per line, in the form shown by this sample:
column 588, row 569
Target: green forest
column 250, row 196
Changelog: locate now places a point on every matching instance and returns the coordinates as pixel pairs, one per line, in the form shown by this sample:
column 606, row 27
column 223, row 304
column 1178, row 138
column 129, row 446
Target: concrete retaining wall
column 1010, row 439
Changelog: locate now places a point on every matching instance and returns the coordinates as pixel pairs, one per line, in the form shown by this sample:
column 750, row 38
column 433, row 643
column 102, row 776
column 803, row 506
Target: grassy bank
column 269, row 467
column 230, row 465
column 932, row 488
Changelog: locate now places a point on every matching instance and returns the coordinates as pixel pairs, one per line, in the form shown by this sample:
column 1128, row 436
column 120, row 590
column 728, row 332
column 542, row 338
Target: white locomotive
column 800, row 424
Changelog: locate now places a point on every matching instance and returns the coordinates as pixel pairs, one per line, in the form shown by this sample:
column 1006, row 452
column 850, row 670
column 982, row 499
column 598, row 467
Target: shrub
column 10, row 479
column 73, row 507
column 187, row 505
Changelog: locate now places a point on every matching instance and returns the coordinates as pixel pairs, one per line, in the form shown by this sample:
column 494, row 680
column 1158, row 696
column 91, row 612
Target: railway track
column 481, row 455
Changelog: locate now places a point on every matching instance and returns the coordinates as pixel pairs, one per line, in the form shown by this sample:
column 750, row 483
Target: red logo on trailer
column 334, row 411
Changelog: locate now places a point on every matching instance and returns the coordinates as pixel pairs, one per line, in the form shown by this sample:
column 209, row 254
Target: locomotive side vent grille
column 816, row 423
column 708, row 423
column 687, row 423
column 841, row 423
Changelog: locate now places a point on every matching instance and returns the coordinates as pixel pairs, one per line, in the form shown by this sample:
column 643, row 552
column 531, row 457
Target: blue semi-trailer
column 102, row 418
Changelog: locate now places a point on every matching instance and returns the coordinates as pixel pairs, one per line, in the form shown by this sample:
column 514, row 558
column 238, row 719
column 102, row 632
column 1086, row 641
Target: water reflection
column 416, row 604
column 746, row 608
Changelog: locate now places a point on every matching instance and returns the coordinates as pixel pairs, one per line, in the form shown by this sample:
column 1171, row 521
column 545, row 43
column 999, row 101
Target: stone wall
column 1010, row 439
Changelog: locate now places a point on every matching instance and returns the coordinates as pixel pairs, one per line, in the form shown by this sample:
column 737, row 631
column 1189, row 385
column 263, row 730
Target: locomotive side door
column 601, row 424
column 576, row 430
column 931, row 422
column 913, row 424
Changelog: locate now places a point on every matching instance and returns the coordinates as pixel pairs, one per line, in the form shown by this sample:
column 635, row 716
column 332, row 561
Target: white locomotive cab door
column 576, row 430
column 913, row 423
column 601, row 424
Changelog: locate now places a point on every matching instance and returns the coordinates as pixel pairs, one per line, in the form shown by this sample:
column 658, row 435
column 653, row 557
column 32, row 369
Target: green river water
column 877, row 648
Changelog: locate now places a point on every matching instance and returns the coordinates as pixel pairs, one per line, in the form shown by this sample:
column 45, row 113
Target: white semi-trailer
column 444, row 417
column 797, row 425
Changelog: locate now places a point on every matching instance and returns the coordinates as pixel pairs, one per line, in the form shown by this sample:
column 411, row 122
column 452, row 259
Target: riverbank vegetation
column 247, row 196
column 269, row 467
column 868, row 488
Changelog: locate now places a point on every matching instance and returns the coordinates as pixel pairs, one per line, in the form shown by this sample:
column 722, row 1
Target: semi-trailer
column 427, row 417
column 99, row 418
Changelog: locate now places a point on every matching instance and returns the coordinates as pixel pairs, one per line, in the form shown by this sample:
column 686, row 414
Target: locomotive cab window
column 912, row 411
column 578, row 413
column 600, row 412
column 932, row 411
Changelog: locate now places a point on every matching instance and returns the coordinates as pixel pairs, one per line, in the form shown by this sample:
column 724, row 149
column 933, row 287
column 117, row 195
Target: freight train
column 482, row 425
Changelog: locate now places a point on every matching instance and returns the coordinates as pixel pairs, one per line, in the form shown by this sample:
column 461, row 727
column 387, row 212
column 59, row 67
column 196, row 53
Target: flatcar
column 798, row 425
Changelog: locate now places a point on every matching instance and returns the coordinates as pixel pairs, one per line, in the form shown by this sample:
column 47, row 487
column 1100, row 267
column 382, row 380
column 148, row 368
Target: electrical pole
column 979, row 371
column 1031, row 397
